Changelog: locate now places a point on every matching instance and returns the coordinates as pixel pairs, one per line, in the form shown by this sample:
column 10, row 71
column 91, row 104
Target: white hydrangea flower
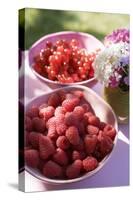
column 108, row 61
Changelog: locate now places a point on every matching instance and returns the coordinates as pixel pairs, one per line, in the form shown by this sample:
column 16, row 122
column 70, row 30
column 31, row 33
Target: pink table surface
column 114, row 173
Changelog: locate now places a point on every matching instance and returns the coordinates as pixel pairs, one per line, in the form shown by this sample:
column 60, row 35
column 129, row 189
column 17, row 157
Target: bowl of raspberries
column 64, row 58
column 70, row 134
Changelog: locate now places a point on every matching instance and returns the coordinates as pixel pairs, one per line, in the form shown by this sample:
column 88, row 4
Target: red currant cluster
column 64, row 62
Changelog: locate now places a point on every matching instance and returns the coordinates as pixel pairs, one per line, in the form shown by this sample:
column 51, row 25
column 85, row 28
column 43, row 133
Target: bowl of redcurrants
column 64, row 58
column 70, row 134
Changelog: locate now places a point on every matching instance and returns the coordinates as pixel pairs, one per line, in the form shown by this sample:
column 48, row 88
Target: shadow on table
column 124, row 128
column 114, row 173
column 13, row 185
column 32, row 86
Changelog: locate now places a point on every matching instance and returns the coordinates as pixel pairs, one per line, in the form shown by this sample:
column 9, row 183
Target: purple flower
column 126, row 80
column 118, row 36
column 113, row 82
column 124, row 60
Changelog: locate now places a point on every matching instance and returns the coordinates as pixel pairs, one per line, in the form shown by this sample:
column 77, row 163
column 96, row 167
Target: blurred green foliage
column 39, row 22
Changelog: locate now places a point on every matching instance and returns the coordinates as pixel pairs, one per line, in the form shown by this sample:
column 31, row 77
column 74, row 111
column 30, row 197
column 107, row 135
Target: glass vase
column 119, row 101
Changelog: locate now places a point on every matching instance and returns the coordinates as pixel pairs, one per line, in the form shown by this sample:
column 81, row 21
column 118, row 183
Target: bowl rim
column 101, row 164
column 58, row 34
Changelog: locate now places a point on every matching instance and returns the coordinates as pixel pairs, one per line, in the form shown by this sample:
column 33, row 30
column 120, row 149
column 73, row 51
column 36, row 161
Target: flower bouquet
column 112, row 69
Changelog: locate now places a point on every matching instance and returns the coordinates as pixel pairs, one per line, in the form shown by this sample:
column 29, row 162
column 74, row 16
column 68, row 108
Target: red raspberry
column 62, row 95
column 47, row 112
column 52, row 170
column 46, row 147
column 54, row 100
column 92, row 130
column 72, row 135
column 28, row 148
column 70, row 96
column 71, row 119
column 86, row 107
column 80, row 146
column 69, row 104
column 44, row 105
column 102, row 125
column 90, row 163
column 60, row 157
column 28, row 124
column 32, row 158
column 62, row 142
column 78, row 93
column 73, row 170
column 81, row 128
column 79, row 112
column 78, row 155
column 51, row 125
column 41, row 164
column 38, row 124
column 93, row 120
column 110, row 131
column 90, row 143
column 60, row 124
column 59, row 110
column 34, row 139
column 106, row 144
column 86, row 117
column 33, row 112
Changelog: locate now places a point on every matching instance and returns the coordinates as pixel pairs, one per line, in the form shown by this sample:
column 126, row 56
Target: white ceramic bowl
column 102, row 110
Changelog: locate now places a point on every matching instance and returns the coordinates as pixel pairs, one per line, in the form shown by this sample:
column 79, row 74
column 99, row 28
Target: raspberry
column 38, row 124
column 102, row 125
column 33, row 112
column 62, row 95
column 93, row 120
column 106, row 144
column 69, row 104
column 86, row 117
column 28, row 124
column 70, row 96
column 62, row 142
column 79, row 112
column 51, row 125
column 28, row 148
column 32, row 158
column 71, row 119
column 47, row 112
column 46, row 147
column 90, row 163
column 73, row 170
column 60, row 124
column 60, row 157
column 79, row 146
column 44, row 105
column 97, row 154
column 77, row 155
column 54, row 100
column 59, row 110
column 41, row 164
column 34, row 139
column 110, row 131
column 52, row 170
column 78, row 93
column 81, row 128
column 86, row 107
column 72, row 135
column 90, row 143
column 92, row 130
